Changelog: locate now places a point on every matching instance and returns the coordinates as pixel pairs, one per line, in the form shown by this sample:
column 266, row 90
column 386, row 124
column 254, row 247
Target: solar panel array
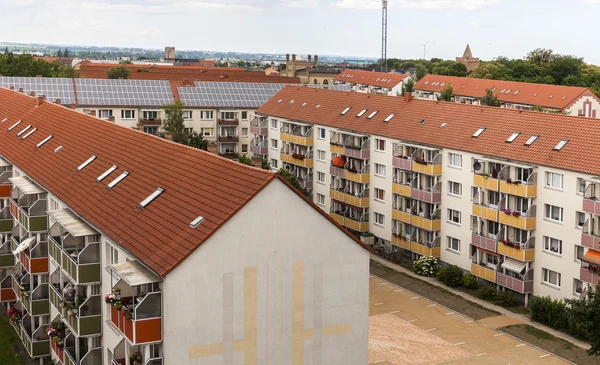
column 152, row 93
column 51, row 88
column 234, row 94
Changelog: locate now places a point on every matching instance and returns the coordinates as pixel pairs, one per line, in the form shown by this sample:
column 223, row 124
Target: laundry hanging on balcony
column 339, row 161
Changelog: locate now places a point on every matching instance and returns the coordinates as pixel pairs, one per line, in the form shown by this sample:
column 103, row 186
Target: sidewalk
column 483, row 303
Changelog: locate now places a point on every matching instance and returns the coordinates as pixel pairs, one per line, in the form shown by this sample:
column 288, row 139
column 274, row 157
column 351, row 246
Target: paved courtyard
column 406, row 329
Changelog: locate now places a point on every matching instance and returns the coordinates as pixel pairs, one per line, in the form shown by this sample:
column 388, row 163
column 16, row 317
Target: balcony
column 36, row 343
column 60, row 353
column 589, row 274
column 523, row 286
column 401, row 241
column 426, row 248
column 82, row 266
column 228, row 139
column 229, row 122
column 401, row 215
column 432, row 195
column 7, row 293
column 150, row 121
column 402, row 162
column 33, row 218
column 6, row 220
column 359, row 224
column 304, row 160
column 519, row 251
column 337, row 171
column 401, row 189
column 34, row 301
column 484, row 242
column 518, row 188
column 360, row 176
column 522, row 221
column 260, row 149
column 5, row 184
column 591, row 205
column 590, row 239
column 259, row 126
column 88, row 320
column 485, row 212
column 294, row 134
column 339, row 218
column 429, row 223
column 87, row 356
column 360, row 200
column 7, row 259
column 483, row 272
column 34, row 259
column 486, row 182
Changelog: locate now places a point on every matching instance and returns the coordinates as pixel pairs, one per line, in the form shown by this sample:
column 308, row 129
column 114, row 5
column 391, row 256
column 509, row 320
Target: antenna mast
column 384, row 35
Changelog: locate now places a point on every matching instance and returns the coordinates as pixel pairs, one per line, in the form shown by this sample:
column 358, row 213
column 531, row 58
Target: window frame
column 451, row 157
column 274, row 144
column 548, row 209
column 449, row 244
column 377, row 142
column 550, row 180
column 319, row 196
column 377, row 165
column 376, row 197
column 450, row 190
column 547, row 245
column 376, row 222
column 319, row 174
column 452, row 214
column 546, row 276
column 324, row 133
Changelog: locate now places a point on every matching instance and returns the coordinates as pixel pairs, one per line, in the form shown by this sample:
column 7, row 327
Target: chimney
column 32, row 93
column 21, row 90
column 316, row 59
column 407, row 96
column 57, row 101
column 287, row 57
column 309, row 58
column 111, row 119
column 92, row 113
column 293, row 57
column 11, row 87
column 40, row 99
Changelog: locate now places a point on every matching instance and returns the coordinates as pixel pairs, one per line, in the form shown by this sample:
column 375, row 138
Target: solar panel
column 235, row 94
column 51, row 88
column 150, row 93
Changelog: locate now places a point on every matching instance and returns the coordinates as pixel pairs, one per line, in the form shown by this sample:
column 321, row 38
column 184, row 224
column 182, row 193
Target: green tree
column 490, row 70
column 65, row 71
column 584, row 316
column 292, row 180
column 125, row 62
column 265, row 165
column 66, row 53
column 420, row 71
column 197, row 141
column 449, row 68
column 243, row 159
column 540, row 56
column 5, row 50
column 408, row 86
column 490, row 99
column 59, row 54
column 446, row 93
column 174, row 122
column 118, row 72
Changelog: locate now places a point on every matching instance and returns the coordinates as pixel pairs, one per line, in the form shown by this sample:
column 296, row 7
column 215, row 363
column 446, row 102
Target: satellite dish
column 476, row 165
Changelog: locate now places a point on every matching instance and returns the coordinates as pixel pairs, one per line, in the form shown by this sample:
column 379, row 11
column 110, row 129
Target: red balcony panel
column 426, row 196
column 5, row 191
column 127, row 328
column 337, row 171
column 59, row 353
column 24, row 260
column 114, row 316
column 258, row 150
column 588, row 276
column 514, row 284
column 483, row 242
column 38, row 265
column 7, row 295
column 402, row 163
column 148, row 330
column 590, row 241
column 262, row 131
column 591, row 206
column 14, row 210
column 362, row 154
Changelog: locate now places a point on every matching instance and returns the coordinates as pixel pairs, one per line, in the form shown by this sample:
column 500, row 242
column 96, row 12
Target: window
column 274, row 163
column 53, row 204
column 513, row 137
column 492, row 260
column 453, row 244
column 244, row 115
column 379, row 169
column 494, row 198
column 321, row 155
column 560, row 145
column 579, row 252
column 187, row 114
column 554, row 213
column 274, row 123
column 321, row 177
column 478, row 132
column 244, row 148
column 551, row 277
column 554, row 180
column 244, row 132
column 189, row 130
column 552, row 245
column 380, row 145
column 274, row 143
column 379, row 194
column 114, row 255
column 454, row 216
column 105, row 114
column 454, row 160
column 151, row 130
column 321, row 133
column 580, row 185
column 577, row 287
column 227, row 115
column 580, row 219
column 531, row 139
column 379, row 219
column 454, row 188
column 127, row 114
column 207, row 132
column 321, row 199
column 206, row 115
column 150, row 115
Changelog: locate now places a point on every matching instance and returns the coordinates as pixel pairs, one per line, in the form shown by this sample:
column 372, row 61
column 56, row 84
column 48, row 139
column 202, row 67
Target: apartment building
column 372, row 82
column 508, row 195
column 571, row 100
column 119, row 247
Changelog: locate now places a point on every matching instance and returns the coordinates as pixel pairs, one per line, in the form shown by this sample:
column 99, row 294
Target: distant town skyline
column 335, row 27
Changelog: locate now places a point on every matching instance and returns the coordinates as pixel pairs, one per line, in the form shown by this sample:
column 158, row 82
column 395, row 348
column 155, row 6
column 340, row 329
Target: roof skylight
column 531, row 139
column 58, row 149
column 23, row 131
column 151, row 198
column 422, row 121
column 513, row 137
column 87, row 162
column 373, row 114
column 44, row 141
column 318, row 106
column 118, row 180
column 196, row 222
column 29, row 133
column 361, row 113
column 4, row 120
column 516, row 92
column 303, row 104
column 389, row 118
column 345, row 110
column 14, row 125
column 106, row 173
column 560, row 145
column 478, row 133
column 443, row 125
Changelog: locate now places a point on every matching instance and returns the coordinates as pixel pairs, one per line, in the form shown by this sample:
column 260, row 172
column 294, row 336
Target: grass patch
column 538, row 333
column 10, row 344
column 519, row 310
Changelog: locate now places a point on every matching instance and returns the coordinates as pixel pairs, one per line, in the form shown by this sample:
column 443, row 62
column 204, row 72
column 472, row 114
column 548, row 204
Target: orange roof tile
column 514, row 92
column 379, row 79
column 462, row 121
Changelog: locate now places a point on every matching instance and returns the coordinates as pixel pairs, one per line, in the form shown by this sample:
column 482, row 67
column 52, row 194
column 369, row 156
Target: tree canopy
column 490, row 99
column 117, row 72
column 175, row 125
column 446, row 93
column 25, row 65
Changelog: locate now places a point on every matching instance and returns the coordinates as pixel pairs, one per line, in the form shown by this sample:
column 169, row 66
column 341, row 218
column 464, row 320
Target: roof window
column 478, row 133
column 422, row 121
column 426, row 82
column 361, row 113
column 443, row 125
column 502, row 92
column 23, row 131
column 14, row 125
column 389, row 118
column 513, row 137
column 534, row 95
column 29, row 133
column 118, row 180
column 196, row 222
column 44, row 141
column 58, row 149
column 531, row 139
column 4, row 120
column 443, row 83
column 345, row 110
column 87, row 162
column 291, row 102
column 279, row 101
column 494, row 88
column 106, row 173
column 516, row 92
column 507, row 91
column 560, row 145
column 550, row 96
column 373, row 114
column 151, row 198
column 303, row 104
column 318, row 106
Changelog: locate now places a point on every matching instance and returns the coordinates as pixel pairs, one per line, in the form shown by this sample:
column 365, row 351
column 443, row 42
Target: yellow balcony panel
column 400, row 189
column 357, row 177
column 356, row 225
column 337, row 195
column 486, row 183
column 338, row 218
column 401, row 216
column 483, row 272
column 521, row 254
column 306, row 162
column 434, row 170
column 424, row 223
column 336, row 149
column 305, row 141
column 356, row 201
column 485, row 212
column 522, row 190
column 518, row 222
column 424, row 250
column 400, row 242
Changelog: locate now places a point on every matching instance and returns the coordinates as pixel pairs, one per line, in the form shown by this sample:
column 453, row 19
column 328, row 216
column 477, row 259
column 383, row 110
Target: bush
column 506, row 299
column 426, row 266
column 451, row 275
column 470, row 281
column 487, row 293
column 550, row 312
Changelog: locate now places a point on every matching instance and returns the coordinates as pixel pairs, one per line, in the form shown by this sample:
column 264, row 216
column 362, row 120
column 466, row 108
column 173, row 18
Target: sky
column 493, row 28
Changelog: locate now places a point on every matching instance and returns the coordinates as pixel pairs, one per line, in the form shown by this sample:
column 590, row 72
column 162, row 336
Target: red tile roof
column 549, row 96
column 378, row 79
column 462, row 121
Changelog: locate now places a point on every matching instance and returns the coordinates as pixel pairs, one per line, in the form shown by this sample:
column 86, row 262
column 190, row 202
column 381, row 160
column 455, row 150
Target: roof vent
column 29, row 133
column 106, row 173
column 494, row 88
column 44, row 141
column 373, row 114
column 560, row 145
column 58, row 149
column 443, row 125
column 151, row 198
column 303, row 104
column 531, row 139
column 345, row 110
column 87, row 162
column 118, row 180
column 422, row 121
column 516, row 92
column 4, row 120
column 318, row 106
column 196, row 222
column 389, row 118
column 279, row 101
column 534, row 95
column 361, row 113
column 478, row 132
column 550, row 96
column 291, row 102
column 513, row 137
column 14, row 125
column 23, row 131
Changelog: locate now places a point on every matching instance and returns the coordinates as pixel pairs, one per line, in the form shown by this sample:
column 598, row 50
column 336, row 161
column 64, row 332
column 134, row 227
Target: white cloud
column 473, row 23
column 418, row 4
column 591, row 2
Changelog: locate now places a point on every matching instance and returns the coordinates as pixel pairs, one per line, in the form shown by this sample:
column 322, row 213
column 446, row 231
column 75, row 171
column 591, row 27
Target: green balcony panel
column 23, row 219
column 26, row 341
column 89, row 273
column 38, row 223
column 40, row 307
column 54, row 251
column 41, row 348
column 6, row 225
column 7, row 260
column 56, row 300
column 90, row 325
column 72, row 321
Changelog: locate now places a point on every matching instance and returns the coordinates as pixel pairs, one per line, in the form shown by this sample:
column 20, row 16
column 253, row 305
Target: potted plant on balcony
column 127, row 313
column 485, row 175
column 136, row 358
column 14, row 315
column 593, row 268
column 352, row 169
column 517, row 246
column 507, row 211
column 509, row 180
column 516, row 214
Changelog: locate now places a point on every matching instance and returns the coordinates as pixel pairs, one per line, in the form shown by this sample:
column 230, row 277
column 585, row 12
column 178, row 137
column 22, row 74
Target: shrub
column 470, row 281
column 487, row 293
column 426, row 266
column 506, row 299
column 451, row 275
column 551, row 312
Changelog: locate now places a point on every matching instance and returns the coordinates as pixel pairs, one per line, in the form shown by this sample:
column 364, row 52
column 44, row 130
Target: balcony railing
column 402, row 215
column 150, row 121
column 589, row 238
column 38, row 343
column 33, row 218
column 259, row 126
column 591, row 201
column 521, row 285
column 485, row 212
column 354, row 198
column 81, row 266
column 6, row 220
column 145, row 325
column 400, row 239
column 229, row 122
column 426, row 248
column 483, row 272
column 7, row 259
column 360, row 151
column 359, row 223
column 517, row 219
column 298, row 159
column 589, row 273
column 428, row 166
column 259, row 148
column 518, row 251
column 228, row 138
column 293, row 134
column 525, row 189
column 402, row 162
column 486, row 242
column 35, row 260
column 429, row 222
column 7, row 293
column 486, row 181
column 88, row 320
column 429, row 195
